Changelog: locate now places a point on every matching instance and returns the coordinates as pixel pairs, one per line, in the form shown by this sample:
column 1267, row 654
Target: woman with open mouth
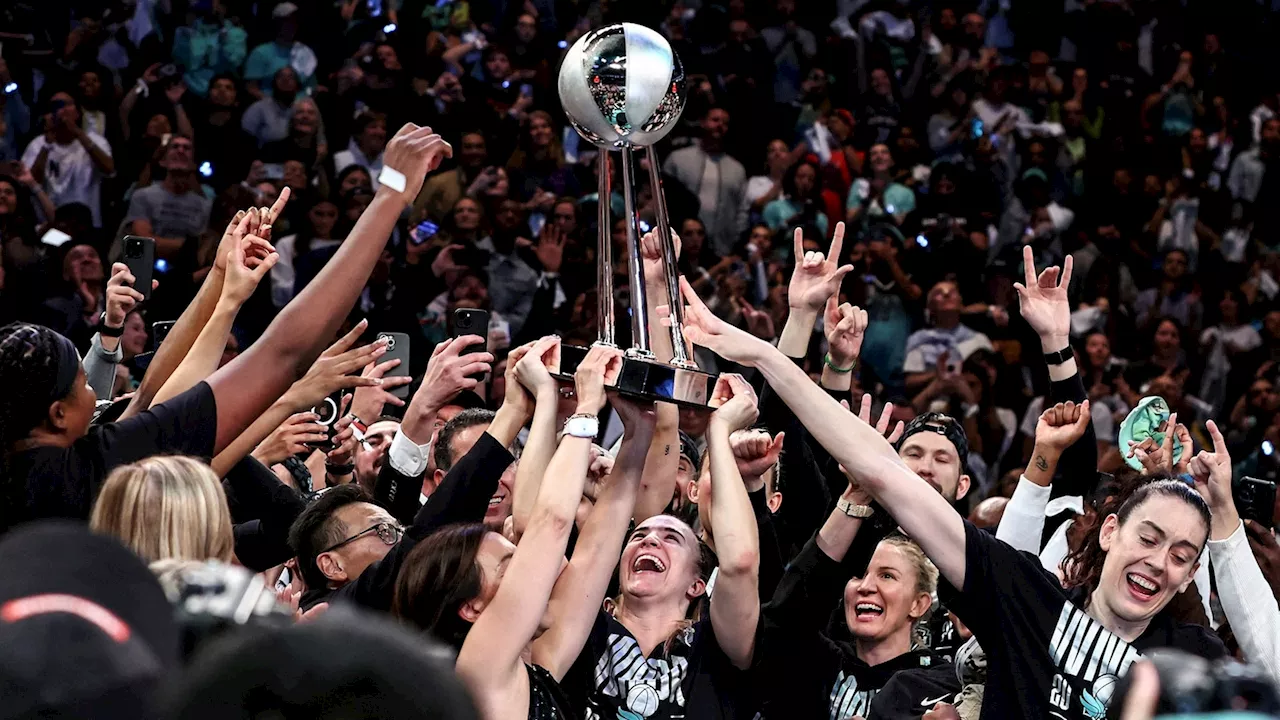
column 816, row 674
column 1050, row 652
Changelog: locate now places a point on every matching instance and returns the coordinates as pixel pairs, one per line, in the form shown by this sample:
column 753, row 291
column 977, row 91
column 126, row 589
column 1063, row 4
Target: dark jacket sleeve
column 399, row 493
column 264, row 509
column 772, row 558
column 463, row 496
column 791, row 635
column 1078, row 466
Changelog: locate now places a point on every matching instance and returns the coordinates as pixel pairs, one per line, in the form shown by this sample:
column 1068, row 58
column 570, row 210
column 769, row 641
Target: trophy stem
column 604, row 256
column 635, row 263
column 670, row 272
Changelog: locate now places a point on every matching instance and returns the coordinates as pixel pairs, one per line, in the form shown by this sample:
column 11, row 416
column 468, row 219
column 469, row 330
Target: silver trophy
column 623, row 88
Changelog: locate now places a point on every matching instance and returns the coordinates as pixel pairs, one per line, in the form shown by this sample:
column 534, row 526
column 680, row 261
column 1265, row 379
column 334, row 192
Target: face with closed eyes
column 660, row 561
column 1151, row 556
column 932, row 456
column 884, row 603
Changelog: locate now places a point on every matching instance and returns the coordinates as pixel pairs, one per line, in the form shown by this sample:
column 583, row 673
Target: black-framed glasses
column 388, row 533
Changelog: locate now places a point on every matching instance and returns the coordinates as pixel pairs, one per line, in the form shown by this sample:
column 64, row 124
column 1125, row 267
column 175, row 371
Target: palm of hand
column 810, row 287
column 1047, row 311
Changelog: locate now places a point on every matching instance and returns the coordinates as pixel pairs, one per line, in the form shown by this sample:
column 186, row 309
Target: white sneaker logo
column 929, row 703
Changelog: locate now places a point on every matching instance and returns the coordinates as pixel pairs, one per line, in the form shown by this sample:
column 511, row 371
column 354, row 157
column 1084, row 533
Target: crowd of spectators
column 953, row 147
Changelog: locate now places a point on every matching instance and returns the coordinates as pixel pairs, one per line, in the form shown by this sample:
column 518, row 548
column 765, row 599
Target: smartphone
column 526, row 89
column 397, row 349
column 273, row 171
column 472, row 322
column 1256, row 500
column 423, row 232
column 53, row 237
column 140, row 256
column 327, row 414
column 1110, row 374
column 159, row 331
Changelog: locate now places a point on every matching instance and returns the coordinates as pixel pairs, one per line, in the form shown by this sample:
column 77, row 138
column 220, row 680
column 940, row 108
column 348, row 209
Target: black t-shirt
column 64, row 482
column 913, row 692
column 1045, row 656
column 687, row 677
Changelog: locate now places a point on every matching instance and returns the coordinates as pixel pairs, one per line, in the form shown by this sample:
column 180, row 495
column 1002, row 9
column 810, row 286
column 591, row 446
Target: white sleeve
column 407, row 457
column 914, row 361
column 1023, row 521
column 1247, row 601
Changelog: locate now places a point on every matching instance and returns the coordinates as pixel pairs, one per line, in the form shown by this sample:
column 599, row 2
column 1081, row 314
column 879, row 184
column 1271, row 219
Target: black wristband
column 1059, row 357
column 102, row 329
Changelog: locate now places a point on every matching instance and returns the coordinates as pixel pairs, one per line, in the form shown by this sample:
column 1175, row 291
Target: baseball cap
column 85, row 630
column 689, row 449
column 284, row 9
column 347, row 664
column 944, row 425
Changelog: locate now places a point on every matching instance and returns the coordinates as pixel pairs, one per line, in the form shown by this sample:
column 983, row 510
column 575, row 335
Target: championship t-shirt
column 689, row 676
column 1046, row 658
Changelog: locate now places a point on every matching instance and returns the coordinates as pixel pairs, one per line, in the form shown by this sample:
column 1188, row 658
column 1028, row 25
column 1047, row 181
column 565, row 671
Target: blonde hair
column 166, row 508
column 926, row 572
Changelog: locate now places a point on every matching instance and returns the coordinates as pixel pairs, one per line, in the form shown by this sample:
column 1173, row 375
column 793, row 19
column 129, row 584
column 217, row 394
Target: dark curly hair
column 1083, row 566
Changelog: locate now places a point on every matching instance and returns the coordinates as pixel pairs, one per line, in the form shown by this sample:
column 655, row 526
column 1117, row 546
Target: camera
column 1191, row 684
column 212, row 598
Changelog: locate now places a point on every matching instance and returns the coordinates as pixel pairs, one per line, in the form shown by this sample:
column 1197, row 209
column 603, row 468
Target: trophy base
column 649, row 380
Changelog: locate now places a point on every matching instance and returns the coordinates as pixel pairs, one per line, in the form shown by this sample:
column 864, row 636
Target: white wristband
column 392, row 178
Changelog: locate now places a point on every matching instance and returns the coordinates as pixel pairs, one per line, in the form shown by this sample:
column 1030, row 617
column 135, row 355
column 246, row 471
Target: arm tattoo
column 1041, row 463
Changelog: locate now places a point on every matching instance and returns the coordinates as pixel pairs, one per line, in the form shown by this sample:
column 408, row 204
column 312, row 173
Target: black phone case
column 140, row 257
column 1255, row 500
column 472, row 322
column 397, row 349
column 328, row 412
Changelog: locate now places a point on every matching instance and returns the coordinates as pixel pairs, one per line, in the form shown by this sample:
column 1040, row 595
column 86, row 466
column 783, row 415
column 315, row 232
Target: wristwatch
column 581, row 425
column 855, row 511
column 1059, row 357
column 102, row 329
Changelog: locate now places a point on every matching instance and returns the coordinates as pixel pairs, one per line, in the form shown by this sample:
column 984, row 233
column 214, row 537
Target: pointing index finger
column 1028, row 267
column 1219, row 443
column 797, row 240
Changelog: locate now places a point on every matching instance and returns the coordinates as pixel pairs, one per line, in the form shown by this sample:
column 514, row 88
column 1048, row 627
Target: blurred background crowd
column 1137, row 136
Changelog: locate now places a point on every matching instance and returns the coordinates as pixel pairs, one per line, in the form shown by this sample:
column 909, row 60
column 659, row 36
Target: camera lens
column 464, row 321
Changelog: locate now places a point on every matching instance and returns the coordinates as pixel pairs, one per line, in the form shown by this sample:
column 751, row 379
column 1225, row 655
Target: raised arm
column 735, row 605
column 491, row 658
column 532, row 382
column 1242, row 588
column 919, row 509
column 1023, row 522
column 244, row 272
column 657, row 485
column 1043, row 302
column 580, row 590
column 814, row 279
column 249, row 384
column 193, row 318
column 330, row 372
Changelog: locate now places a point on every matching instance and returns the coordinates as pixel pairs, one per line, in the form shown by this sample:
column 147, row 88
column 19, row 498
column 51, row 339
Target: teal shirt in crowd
column 778, row 214
column 205, row 50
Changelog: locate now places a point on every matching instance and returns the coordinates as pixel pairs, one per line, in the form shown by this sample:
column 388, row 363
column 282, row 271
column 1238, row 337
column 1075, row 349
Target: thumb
column 845, row 270
column 265, row 266
column 1082, row 422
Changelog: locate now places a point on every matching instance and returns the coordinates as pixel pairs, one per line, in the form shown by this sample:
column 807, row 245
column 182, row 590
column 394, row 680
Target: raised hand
column 886, row 417
column 651, row 256
column 369, row 401
column 245, row 271
column 845, row 326
column 599, row 368
column 755, row 452
column 758, row 322
column 444, row 262
column 1060, row 426
column 414, row 152
column 1212, row 473
column 530, row 364
column 448, row 372
column 816, row 277
column 735, row 403
column 1043, row 300
column 549, row 249
column 121, row 297
column 291, row 438
column 332, row 371
column 702, row 327
column 635, row 415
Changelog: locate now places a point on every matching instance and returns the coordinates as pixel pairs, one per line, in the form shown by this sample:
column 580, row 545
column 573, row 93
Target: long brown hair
column 438, row 578
column 1083, row 566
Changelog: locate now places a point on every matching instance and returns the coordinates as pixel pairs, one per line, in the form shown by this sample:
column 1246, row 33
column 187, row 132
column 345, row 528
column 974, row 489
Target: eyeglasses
column 388, row 533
